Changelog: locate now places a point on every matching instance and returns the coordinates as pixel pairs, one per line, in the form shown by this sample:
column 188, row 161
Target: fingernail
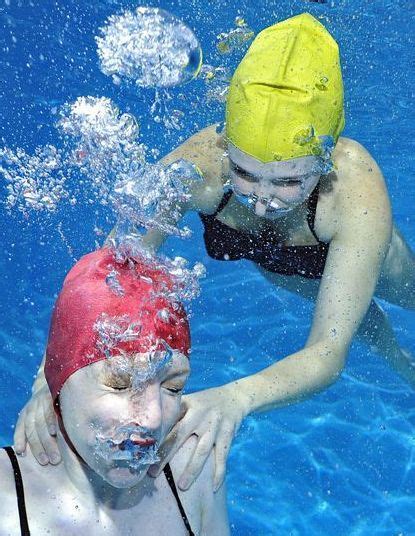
column 43, row 459
column 183, row 484
column 52, row 429
column 55, row 458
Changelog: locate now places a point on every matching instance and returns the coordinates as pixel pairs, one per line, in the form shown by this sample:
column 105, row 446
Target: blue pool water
column 342, row 463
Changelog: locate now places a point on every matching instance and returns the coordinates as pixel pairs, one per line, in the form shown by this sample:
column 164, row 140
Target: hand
column 37, row 426
column 214, row 416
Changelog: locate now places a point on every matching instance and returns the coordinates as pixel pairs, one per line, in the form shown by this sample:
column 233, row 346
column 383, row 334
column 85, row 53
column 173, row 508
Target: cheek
column 288, row 193
column 171, row 411
column 297, row 192
column 245, row 187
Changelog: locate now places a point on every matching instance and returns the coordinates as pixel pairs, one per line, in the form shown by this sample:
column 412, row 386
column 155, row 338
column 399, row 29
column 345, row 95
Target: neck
column 89, row 484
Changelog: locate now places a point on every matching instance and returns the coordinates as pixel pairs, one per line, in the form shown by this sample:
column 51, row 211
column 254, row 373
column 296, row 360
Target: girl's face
column 117, row 412
column 273, row 189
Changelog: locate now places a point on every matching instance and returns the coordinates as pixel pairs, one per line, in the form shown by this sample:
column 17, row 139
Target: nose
column 260, row 207
column 262, row 193
column 146, row 408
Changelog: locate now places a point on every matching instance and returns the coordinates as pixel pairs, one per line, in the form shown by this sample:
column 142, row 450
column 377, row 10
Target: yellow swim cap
column 286, row 92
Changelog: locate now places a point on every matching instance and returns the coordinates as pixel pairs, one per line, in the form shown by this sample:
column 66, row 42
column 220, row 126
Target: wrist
column 241, row 396
column 39, row 383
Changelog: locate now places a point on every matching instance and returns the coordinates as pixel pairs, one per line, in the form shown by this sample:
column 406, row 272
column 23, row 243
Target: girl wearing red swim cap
column 116, row 364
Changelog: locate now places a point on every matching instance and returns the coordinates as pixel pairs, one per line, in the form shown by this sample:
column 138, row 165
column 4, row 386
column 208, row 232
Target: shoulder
column 204, row 149
column 358, row 173
column 350, row 157
column 354, row 195
column 208, row 507
column 8, row 499
column 361, row 197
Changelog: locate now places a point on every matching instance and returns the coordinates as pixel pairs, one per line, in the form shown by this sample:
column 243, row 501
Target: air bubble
column 150, row 47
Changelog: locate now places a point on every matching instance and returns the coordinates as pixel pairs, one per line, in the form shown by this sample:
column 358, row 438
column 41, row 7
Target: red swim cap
column 106, row 307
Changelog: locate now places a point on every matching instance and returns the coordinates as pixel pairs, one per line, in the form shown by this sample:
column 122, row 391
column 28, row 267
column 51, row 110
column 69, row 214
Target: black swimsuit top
column 24, row 524
column 264, row 248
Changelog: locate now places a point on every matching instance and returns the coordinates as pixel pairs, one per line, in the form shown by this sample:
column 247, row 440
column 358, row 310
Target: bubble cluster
column 120, row 444
column 113, row 330
column 149, row 47
column 217, row 81
column 139, row 369
column 227, row 42
column 112, row 281
column 101, row 142
column 33, row 182
column 160, row 112
column 185, row 280
column 150, row 198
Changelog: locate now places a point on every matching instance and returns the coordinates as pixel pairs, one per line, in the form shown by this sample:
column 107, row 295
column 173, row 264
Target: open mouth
column 134, row 443
column 128, row 445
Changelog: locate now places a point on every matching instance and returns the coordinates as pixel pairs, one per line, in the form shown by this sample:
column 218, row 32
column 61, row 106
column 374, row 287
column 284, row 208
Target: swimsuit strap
column 169, row 476
column 311, row 210
column 223, row 202
column 24, row 525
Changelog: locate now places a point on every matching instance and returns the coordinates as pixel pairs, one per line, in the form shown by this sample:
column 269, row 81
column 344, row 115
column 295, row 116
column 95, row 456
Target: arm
column 205, row 150
column 356, row 253
column 358, row 245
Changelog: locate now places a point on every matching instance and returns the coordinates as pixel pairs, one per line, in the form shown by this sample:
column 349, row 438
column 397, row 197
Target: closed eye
column 119, row 388
column 286, row 182
column 243, row 173
column 174, row 390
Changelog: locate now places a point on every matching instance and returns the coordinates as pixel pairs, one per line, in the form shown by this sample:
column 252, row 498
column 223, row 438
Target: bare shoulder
column 8, row 500
column 350, row 157
column 205, row 505
column 356, row 168
column 354, row 190
column 204, row 148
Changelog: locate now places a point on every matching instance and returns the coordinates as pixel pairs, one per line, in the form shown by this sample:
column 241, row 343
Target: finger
column 175, row 439
column 35, row 444
column 198, row 459
column 223, row 444
column 49, row 415
column 19, row 437
column 49, row 443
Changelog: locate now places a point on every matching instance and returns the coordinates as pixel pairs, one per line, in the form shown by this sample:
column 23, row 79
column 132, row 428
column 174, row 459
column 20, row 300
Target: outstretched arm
column 356, row 253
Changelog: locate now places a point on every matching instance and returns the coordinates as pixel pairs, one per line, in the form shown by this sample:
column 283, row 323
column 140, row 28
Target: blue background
column 341, row 463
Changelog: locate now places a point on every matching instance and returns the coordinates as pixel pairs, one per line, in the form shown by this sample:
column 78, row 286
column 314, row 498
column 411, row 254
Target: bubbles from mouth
column 121, row 446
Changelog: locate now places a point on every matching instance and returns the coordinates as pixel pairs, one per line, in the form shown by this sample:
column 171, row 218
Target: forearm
column 295, row 378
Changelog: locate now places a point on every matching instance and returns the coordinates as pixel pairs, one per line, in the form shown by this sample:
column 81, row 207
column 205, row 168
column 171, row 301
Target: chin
column 276, row 215
column 124, row 477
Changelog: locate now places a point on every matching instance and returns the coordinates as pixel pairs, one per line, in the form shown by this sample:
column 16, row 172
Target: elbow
column 330, row 364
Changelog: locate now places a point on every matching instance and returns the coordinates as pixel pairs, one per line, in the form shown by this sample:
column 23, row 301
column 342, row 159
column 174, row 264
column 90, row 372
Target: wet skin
column 367, row 257
column 102, row 495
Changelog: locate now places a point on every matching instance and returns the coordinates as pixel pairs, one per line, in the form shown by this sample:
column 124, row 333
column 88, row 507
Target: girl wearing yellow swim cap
column 310, row 209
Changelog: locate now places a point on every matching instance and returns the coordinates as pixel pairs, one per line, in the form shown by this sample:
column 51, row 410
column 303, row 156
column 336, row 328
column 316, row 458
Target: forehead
column 129, row 364
column 284, row 168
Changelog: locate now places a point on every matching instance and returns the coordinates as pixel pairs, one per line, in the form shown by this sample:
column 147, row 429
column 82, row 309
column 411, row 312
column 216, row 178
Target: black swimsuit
column 264, row 248
column 24, row 524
